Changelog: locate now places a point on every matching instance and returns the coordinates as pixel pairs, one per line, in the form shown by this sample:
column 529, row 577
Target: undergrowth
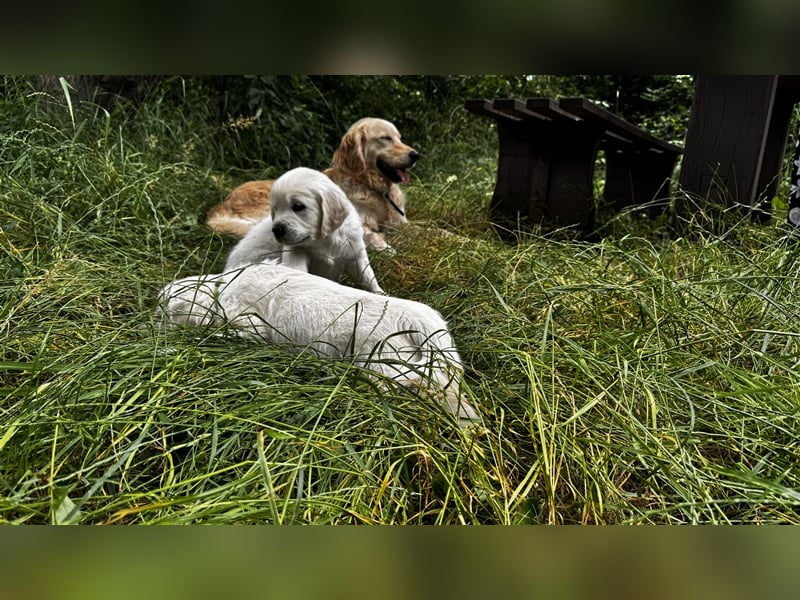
column 642, row 378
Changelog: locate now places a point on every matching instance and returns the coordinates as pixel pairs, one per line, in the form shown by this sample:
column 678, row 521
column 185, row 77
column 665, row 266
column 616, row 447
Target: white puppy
column 313, row 228
column 402, row 339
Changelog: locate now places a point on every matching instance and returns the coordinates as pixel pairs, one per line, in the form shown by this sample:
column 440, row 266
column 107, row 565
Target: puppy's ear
column 350, row 156
column 334, row 205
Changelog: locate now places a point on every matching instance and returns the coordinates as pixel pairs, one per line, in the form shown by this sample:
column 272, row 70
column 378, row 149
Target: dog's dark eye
column 298, row 207
column 388, row 138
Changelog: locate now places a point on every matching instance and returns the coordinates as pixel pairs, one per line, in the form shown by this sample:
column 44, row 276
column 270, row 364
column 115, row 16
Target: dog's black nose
column 413, row 156
column 279, row 230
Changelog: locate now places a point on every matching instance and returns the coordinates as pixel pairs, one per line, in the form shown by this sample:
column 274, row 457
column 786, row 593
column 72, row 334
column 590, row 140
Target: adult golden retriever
column 369, row 164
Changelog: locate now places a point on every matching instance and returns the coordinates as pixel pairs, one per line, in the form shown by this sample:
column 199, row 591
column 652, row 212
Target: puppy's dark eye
column 388, row 138
column 298, row 207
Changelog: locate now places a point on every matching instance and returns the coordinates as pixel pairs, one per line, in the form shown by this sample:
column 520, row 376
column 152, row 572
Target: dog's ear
column 350, row 156
column 334, row 205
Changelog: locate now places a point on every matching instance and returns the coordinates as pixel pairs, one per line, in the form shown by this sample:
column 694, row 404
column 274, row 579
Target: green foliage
column 641, row 379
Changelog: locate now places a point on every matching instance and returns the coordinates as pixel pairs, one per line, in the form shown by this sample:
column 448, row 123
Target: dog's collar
column 386, row 196
column 394, row 206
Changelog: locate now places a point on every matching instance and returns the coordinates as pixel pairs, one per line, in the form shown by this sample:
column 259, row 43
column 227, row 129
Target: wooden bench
column 547, row 155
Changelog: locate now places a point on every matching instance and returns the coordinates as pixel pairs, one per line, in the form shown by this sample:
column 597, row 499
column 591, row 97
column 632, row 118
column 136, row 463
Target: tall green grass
column 645, row 378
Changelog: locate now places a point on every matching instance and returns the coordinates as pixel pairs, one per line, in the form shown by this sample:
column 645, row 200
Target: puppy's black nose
column 279, row 230
column 413, row 156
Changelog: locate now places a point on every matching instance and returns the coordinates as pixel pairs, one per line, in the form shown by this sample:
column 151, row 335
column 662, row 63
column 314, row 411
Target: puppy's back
column 399, row 338
column 190, row 301
column 258, row 245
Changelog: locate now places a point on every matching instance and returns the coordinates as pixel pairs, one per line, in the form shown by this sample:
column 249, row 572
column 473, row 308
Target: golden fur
column 369, row 164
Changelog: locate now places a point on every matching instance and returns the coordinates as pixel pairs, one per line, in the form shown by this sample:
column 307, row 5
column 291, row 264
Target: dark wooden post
column 725, row 144
column 774, row 152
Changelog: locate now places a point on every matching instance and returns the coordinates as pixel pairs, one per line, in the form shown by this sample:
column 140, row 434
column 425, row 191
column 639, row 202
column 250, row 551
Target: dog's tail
column 221, row 220
column 245, row 206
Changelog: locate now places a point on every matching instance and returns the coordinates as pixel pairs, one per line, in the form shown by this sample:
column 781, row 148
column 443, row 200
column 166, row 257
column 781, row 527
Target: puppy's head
column 306, row 206
column 374, row 145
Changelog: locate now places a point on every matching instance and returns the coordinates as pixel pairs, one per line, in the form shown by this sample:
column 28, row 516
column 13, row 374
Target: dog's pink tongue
column 403, row 175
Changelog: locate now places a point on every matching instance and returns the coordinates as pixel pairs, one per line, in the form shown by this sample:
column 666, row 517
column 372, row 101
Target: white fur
column 313, row 228
column 402, row 339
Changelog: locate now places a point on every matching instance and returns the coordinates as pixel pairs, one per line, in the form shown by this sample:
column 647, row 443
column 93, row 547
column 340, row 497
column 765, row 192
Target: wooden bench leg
column 570, row 191
column 635, row 177
column 545, row 176
column 513, row 193
column 520, row 191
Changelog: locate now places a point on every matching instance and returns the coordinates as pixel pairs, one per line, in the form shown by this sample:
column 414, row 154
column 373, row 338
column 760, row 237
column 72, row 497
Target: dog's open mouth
column 393, row 174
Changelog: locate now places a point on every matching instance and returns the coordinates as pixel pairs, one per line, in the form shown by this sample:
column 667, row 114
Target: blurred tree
column 274, row 122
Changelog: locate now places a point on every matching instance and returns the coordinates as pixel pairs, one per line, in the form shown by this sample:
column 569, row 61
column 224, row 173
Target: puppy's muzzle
column 279, row 231
column 286, row 234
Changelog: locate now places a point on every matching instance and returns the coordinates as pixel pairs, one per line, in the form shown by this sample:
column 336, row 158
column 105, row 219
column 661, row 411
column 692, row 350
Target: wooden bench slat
column 516, row 108
column 549, row 108
column 483, row 107
column 618, row 137
column 614, row 124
